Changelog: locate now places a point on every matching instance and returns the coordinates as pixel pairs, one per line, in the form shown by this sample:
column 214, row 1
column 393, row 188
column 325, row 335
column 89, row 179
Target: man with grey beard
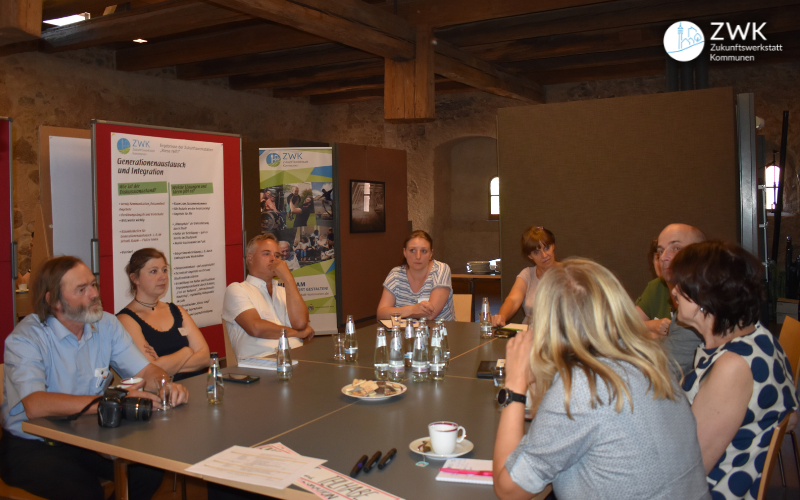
column 57, row 362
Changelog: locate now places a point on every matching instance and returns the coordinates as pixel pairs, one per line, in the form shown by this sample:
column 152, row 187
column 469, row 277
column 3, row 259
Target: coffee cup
column 128, row 382
column 444, row 436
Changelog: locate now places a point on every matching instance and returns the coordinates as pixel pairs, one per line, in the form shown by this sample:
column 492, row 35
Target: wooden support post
column 20, row 20
column 398, row 91
column 120, row 479
column 424, row 82
column 409, row 90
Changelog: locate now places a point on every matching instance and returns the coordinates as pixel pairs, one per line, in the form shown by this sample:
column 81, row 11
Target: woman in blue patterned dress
column 421, row 287
column 750, row 389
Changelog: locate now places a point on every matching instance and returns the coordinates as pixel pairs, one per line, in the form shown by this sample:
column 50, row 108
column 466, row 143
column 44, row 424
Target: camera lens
column 136, row 408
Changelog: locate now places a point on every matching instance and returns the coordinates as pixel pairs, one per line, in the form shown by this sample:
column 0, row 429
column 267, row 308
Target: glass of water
column 338, row 346
column 164, row 387
column 395, row 319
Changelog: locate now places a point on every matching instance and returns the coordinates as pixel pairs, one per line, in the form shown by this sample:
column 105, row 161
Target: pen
column 469, row 472
column 387, row 459
column 358, row 466
column 371, row 463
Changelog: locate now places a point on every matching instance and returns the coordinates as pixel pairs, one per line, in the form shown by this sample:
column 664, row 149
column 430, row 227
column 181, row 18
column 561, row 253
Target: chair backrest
column 772, row 455
column 790, row 342
column 462, row 303
column 230, row 355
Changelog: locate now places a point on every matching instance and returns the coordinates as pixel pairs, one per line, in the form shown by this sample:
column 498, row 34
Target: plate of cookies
column 373, row 390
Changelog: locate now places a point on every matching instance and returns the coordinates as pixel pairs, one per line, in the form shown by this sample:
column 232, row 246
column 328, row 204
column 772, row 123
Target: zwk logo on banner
column 684, row 41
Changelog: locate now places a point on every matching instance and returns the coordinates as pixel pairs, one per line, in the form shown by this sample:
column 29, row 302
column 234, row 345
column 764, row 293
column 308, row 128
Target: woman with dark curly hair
column 750, row 390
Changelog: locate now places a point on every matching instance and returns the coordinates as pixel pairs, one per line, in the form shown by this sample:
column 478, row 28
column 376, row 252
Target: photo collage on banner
column 168, row 194
column 297, row 206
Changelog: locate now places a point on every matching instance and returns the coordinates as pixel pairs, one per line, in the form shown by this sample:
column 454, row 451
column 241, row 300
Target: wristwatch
column 506, row 396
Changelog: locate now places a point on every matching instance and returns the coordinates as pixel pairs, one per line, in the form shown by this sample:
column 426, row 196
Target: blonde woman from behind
column 609, row 422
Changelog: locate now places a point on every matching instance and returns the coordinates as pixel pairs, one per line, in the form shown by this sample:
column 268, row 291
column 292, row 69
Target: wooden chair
column 230, row 355
column 462, row 305
column 772, row 454
column 790, row 342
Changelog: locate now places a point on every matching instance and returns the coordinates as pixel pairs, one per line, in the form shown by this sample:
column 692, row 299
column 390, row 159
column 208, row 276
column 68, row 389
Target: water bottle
column 284, row 359
column 419, row 360
column 445, row 343
column 350, row 342
column 381, row 356
column 486, row 320
column 436, row 356
column 423, row 323
column 397, row 369
column 215, row 388
column 408, row 344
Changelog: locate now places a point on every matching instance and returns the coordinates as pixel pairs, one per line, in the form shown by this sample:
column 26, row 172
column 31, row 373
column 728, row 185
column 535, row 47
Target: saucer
column 462, row 448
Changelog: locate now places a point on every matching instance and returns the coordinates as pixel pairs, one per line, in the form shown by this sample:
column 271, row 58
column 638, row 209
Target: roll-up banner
column 8, row 260
column 168, row 190
column 297, row 206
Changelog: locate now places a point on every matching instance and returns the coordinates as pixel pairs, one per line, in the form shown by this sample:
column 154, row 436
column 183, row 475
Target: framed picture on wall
column 367, row 206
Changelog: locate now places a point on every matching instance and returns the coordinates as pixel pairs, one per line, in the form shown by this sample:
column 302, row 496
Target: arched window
column 494, row 199
column 773, row 178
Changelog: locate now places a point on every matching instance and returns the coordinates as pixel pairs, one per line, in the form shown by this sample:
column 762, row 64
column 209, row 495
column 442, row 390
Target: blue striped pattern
column 397, row 283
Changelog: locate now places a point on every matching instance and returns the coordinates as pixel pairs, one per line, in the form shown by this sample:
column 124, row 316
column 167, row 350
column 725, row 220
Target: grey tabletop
column 311, row 415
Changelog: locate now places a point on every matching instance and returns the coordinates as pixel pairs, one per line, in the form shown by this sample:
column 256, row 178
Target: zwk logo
column 124, row 146
column 273, row 160
column 141, row 144
column 292, row 156
column 684, row 41
column 737, row 31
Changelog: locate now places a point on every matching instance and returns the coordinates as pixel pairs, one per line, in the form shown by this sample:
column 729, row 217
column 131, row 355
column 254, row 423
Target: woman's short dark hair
column 722, row 278
column 48, row 280
column 419, row 233
column 534, row 238
column 139, row 259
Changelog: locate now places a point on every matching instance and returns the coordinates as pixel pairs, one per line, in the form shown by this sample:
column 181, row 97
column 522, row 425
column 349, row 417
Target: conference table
column 310, row 415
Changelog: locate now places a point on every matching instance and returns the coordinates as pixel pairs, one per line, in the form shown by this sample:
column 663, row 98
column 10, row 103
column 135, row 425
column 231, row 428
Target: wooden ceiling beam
column 305, row 76
column 156, row 20
column 284, row 60
column 438, row 13
column 595, row 17
column 463, row 67
column 350, row 22
column 358, row 25
column 263, row 37
column 443, row 87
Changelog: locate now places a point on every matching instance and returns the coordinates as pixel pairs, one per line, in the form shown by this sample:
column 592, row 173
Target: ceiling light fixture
column 140, row 40
column 63, row 21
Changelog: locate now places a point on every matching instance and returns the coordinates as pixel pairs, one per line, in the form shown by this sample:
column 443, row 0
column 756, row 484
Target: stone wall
column 71, row 89
column 68, row 90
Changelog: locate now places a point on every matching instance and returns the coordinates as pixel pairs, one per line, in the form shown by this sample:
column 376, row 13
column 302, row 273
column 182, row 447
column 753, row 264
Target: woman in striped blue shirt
column 421, row 286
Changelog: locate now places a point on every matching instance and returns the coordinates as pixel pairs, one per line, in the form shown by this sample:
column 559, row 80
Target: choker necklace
column 151, row 306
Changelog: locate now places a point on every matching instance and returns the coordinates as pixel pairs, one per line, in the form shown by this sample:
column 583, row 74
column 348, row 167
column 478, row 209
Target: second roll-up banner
column 297, row 206
column 169, row 194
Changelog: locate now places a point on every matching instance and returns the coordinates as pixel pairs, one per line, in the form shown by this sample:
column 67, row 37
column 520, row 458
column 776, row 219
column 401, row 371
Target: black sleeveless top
column 168, row 342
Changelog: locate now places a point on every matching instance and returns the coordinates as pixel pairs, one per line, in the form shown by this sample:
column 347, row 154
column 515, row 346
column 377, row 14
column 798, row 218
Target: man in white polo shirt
column 257, row 309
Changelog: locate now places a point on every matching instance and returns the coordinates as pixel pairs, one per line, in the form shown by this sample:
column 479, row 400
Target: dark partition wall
column 368, row 257
column 607, row 175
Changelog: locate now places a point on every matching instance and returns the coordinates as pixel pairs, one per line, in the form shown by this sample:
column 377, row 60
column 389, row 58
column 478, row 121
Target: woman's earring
column 702, row 310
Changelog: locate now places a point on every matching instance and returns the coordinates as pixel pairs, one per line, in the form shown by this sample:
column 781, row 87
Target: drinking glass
column 338, row 346
column 164, row 387
column 395, row 319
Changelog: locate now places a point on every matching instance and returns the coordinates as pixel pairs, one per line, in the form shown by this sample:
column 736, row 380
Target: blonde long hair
column 581, row 314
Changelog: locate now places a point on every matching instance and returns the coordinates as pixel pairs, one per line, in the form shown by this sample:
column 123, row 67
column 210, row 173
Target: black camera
column 115, row 406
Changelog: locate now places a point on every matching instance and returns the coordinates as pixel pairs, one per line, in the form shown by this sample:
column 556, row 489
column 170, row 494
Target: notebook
column 466, row 464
